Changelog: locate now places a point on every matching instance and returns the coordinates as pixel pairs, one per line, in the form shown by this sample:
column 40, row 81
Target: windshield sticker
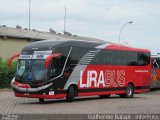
column 37, row 55
column 41, row 54
column 25, row 57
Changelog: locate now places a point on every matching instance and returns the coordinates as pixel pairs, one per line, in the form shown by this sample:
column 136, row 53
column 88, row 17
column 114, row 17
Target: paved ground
column 141, row 103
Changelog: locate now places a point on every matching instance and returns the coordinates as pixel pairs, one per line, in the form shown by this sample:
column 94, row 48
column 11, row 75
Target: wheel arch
column 132, row 83
column 75, row 86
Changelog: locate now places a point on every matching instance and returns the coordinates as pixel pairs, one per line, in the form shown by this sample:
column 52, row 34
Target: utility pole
column 65, row 19
column 29, row 14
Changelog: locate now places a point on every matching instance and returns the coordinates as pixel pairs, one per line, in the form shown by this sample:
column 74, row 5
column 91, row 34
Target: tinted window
column 56, row 67
column 77, row 53
column 124, row 58
column 119, row 58
column 113, row 57
column 143, row 59
column 132, row 58
column 97, row 59
column 64, row 51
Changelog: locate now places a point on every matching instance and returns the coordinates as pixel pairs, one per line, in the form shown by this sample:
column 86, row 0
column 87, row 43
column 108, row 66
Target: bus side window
column 132, row 58
column 143, row 59
column 140, row 61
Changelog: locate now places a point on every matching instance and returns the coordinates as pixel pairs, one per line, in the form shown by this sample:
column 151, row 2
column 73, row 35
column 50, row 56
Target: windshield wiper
column 22, row 74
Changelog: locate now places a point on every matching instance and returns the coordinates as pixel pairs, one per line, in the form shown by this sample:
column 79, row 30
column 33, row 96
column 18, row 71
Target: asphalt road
column 142, row 103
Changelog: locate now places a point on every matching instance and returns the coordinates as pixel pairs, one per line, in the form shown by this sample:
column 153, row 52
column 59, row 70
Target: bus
column 67, row 69
column 155, row 75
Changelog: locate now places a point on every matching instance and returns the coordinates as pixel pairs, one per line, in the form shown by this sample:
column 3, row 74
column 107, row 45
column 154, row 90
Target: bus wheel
column 129, row 91
column 70, row 94
column 41, row 100
column 104, row 96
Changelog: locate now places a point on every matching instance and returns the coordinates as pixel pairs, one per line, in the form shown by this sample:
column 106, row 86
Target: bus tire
column 129, row 91
column 70, row 94
column 104, row 96
column 41, row 100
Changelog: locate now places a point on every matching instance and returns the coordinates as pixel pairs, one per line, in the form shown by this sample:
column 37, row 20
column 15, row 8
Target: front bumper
column 44, row 96
column 25, row 88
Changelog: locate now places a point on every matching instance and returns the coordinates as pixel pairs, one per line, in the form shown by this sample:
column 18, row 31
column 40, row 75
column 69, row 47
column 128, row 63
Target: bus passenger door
column 56, row 70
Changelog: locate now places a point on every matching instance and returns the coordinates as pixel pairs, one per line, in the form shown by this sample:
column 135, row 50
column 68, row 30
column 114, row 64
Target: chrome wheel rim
column 129, row 91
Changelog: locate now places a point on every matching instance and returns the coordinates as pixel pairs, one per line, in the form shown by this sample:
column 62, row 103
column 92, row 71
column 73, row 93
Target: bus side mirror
column 49, row 58
column 13, row 57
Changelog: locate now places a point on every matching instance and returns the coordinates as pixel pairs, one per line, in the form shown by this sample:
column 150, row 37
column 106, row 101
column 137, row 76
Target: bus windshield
column 31, row 70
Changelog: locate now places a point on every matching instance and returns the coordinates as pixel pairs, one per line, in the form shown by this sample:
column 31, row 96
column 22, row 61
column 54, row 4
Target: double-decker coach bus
column 58, row 69
column 155, row 76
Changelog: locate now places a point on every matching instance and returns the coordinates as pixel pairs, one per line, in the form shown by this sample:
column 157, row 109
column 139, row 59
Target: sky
column 101, row 19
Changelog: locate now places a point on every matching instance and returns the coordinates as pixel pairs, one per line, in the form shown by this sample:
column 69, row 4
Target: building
column 12, row 40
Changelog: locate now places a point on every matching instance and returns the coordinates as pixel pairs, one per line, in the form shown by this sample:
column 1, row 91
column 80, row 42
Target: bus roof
column 53, row 43
column 92, row 44
column 126, row 48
